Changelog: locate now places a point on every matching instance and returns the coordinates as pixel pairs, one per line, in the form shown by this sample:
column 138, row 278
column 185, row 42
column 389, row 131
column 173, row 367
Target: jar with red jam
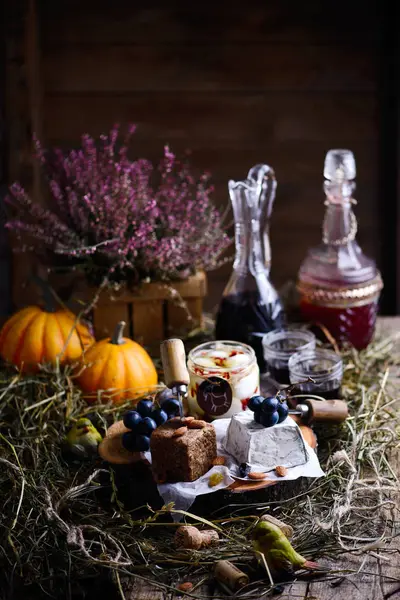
column 339, row 286
column 224, row 375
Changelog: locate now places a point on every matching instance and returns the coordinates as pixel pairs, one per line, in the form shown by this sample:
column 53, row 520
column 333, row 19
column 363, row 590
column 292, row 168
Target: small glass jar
column 224, row 375
column 324, row 366
column 279, row 345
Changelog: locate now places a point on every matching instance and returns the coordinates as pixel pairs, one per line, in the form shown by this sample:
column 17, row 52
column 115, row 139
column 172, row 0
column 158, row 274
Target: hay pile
column 63, row 524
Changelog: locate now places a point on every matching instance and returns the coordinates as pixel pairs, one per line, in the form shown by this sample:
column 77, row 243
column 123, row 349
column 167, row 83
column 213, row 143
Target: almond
column 187, row 420
column 196, row 424
column 218, row 460
column 180, row 431
column 185, row 587
column 257, row 476
column 281, row 471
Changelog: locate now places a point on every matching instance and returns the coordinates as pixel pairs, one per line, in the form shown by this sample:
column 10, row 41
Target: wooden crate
column 152, row 313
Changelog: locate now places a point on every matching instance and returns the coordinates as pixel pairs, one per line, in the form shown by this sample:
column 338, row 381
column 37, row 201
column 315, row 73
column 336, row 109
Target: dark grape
column 159, row 416
column 142, row 443
column 244, row 469
column 269, row 419
column 270, row 404
column 283, row 411
column 257, row 416
column 164, row 395
column 146, row 427
column 144, row 407
column 255, row 403
column 129, row 441
column 172, row 407
column 132, row 419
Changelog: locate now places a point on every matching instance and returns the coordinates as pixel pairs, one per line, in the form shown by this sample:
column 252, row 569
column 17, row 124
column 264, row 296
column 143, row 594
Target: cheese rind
column 265, row 447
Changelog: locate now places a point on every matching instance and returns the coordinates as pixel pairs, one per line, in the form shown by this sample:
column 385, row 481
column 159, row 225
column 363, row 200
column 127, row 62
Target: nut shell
column 180, row 431
column 185, row 587
column 281, row 471
column 257, row 476
column 186, row 421
column 197, row 424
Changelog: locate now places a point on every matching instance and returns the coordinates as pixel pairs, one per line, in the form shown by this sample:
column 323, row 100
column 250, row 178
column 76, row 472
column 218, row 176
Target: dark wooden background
column 237, row 83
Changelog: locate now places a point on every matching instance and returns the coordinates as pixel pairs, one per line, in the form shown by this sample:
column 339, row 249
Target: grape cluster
column 244, row 469
column 146, row 418
column 268, row 411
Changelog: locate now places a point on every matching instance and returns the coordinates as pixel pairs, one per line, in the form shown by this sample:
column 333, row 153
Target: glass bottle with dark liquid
column 250, row 305
column 339, row 286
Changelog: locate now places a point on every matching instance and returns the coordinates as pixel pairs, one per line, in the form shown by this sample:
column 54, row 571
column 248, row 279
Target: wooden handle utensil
column 321, row 411
column 173, row 358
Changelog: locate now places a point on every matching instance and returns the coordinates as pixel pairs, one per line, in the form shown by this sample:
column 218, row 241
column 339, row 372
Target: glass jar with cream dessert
column 224, row 375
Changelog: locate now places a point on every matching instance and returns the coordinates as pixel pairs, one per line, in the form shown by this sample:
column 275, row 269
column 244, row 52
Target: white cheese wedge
column 265, row 448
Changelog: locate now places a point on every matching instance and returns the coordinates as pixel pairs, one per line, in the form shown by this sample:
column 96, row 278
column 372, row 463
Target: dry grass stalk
column 59, row 523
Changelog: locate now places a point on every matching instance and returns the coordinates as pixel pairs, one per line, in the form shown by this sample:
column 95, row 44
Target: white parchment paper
column 183, row 494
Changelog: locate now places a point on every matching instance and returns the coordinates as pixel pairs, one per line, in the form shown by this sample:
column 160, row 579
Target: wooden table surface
column 373, row 584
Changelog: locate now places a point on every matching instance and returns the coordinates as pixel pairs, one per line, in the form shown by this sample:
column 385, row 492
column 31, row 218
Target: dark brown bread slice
column 182, row 458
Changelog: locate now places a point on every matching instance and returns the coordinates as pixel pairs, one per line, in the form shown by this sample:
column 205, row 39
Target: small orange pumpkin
column 119, row 366
column 33, row 336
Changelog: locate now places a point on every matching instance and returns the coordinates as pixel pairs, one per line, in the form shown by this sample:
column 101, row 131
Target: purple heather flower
column 121, row 217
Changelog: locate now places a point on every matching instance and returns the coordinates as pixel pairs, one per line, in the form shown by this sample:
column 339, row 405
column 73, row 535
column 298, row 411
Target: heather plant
column 117, row 218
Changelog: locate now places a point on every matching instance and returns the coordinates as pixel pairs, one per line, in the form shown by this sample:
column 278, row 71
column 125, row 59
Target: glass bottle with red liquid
column 250, row 306
column 339, row 286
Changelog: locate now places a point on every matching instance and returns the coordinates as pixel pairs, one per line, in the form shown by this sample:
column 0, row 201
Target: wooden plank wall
column 237, row 84
column 390, row 159
column 5, row 257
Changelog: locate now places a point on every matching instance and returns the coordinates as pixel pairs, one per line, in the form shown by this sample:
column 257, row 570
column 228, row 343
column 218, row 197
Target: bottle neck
column 249, row 246
column 340, row 224
column 251, row 233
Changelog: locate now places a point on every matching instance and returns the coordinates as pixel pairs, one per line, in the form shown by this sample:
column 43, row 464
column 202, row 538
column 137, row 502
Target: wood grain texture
column 148, row 323
column 215, row 117
column 366, row 586
column 199, row 67
column 34, row 84
column 105, row 319
column 23, row 101
column 222, row 22
column 140, row 590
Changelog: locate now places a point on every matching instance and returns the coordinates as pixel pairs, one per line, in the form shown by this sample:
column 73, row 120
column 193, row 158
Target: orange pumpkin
column 119, row 366
column 32, row 336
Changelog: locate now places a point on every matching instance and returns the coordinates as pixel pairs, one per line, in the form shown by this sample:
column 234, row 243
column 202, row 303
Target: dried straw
column 63, row 521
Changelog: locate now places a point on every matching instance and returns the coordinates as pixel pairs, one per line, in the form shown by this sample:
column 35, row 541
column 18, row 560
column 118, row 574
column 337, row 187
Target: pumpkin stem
column 118, row 333
column 48, row 295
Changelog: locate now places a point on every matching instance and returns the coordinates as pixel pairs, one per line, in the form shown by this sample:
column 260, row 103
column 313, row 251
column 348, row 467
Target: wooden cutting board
column 112, row 450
